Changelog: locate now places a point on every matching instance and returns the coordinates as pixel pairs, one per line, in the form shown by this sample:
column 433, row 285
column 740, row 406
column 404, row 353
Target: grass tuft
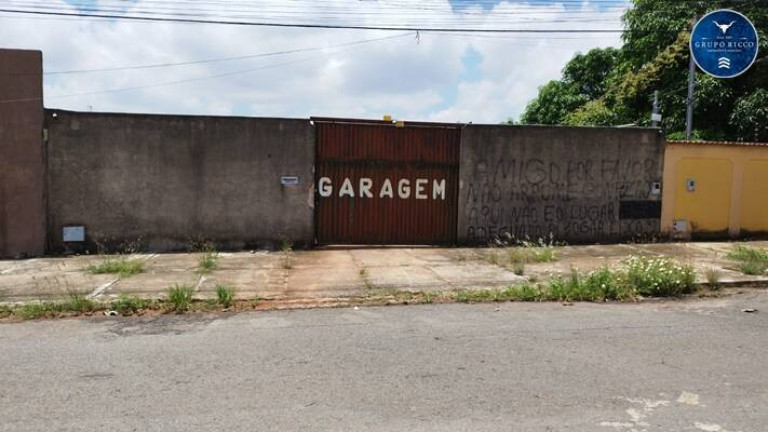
column 128, row 304
column 748, row 253
column 122, row 267
column 180, row 297
column 752, row 268
column 225, row 295
column 286, row 246
column 752, row 261
column 208, row 261
column 78, row 303
column 713, row 275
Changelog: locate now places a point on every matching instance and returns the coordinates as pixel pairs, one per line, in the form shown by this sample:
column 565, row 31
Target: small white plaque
column 289, row 180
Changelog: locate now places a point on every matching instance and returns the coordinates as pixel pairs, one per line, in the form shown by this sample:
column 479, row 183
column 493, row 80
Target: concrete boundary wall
column 167, row 182
column 579, row 185
column 22, row 164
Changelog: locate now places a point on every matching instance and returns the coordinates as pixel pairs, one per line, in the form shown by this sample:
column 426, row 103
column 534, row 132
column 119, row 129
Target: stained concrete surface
column 22, row 159
column 341, row 272
column 166, row 180
column 694, row 365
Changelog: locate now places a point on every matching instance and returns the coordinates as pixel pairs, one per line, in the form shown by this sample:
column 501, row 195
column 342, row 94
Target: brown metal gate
column 381, row 183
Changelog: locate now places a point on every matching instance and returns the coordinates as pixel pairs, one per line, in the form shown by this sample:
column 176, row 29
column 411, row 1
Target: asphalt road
column 697, row 365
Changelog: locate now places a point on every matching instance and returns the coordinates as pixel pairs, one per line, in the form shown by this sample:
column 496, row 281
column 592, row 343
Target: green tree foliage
column 588, row 73
column 615, row 86
column 555, row 101
column 750, row 116
column 593, row 113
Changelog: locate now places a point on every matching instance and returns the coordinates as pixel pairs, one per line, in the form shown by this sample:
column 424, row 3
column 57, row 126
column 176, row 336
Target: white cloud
column 416, row 81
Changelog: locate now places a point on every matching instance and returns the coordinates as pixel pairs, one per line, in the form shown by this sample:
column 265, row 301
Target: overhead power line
column 225, row 59
column 340, row 48
column 305, row 25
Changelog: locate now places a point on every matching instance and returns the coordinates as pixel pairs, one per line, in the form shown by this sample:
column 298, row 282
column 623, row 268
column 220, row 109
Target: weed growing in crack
column 752, row 261
column 121, row 266
column 225, row 295
column 208, row 261
column 713, row 275
column 128, row 304
column 180, row 297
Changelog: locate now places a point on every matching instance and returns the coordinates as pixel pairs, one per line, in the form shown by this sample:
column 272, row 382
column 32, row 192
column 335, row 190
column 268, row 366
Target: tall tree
column 615, row 86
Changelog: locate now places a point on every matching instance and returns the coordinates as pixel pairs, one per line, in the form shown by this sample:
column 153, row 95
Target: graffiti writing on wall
column 574, row 199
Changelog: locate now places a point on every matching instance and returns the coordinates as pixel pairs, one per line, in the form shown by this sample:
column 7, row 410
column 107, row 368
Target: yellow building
column 715, row 189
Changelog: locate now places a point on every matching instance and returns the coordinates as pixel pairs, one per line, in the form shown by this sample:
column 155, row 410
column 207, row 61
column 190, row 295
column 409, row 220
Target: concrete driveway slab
column 153, row 283
column 469, row 275
column 47, row 284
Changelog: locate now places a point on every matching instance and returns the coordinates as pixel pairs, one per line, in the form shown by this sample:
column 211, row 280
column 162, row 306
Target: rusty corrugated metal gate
column 380, row 183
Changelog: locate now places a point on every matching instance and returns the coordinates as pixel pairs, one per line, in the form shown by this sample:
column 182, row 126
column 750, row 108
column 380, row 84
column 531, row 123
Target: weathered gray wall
column 173, row 180
column 22, row 165
column 579, row 184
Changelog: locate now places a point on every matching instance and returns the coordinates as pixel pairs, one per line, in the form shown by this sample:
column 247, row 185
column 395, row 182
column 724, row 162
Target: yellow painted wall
column 731, row 187
column 754, row 211
column 707, row 206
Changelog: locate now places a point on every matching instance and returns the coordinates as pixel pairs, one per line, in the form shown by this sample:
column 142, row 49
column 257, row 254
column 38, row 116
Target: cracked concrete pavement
column 338, row 272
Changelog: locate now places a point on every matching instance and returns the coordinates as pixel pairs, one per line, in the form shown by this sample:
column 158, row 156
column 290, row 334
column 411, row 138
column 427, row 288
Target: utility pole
column 690, row 101
column 655, row 115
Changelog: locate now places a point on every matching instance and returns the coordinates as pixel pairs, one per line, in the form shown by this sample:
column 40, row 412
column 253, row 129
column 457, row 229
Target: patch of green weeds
column 208, row 261
column 599, row 285
column 748, row 253
column 225, row 295
column 545, row 254
column 528, row 252
column 256, row 300
column 29, row 311
column 121, row 266
column 127, row 304
column 180, row 297
column 428, row 297
column 77, row 302
column 752, row 261
column 659, row 276
column 5, row 311
column 531, row 292
column 540, row 250
column 752, row 268
column 285, row 246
